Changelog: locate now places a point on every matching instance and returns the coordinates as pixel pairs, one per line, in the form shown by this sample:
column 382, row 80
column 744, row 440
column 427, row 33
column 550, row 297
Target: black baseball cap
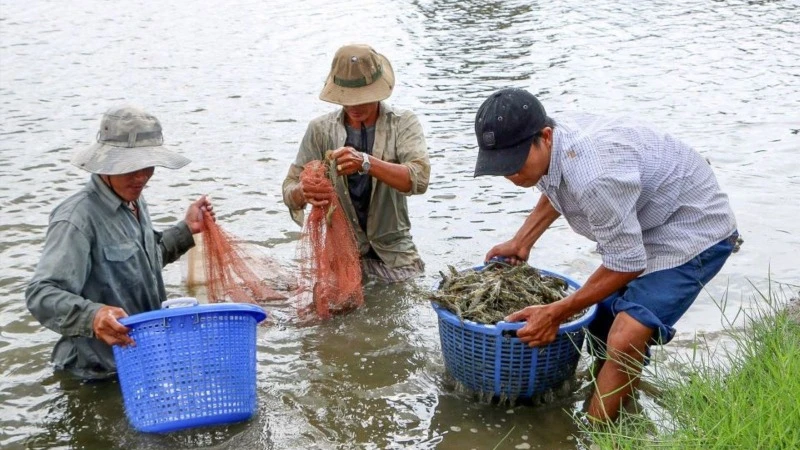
column 505, row 126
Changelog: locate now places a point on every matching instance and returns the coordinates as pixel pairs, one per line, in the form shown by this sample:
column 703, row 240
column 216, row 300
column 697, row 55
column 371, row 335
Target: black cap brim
column 503, row 162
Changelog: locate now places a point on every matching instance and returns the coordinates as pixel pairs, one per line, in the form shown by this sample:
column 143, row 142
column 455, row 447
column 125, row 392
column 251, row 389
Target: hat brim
column 107, row 159
column 379, row 90
column 503, row 162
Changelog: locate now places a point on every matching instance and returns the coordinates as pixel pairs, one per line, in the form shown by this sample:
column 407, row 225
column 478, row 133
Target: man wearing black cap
column 663, row 227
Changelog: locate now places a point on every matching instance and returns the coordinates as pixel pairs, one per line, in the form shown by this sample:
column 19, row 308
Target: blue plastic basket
column 491, row 359
column 191, row 366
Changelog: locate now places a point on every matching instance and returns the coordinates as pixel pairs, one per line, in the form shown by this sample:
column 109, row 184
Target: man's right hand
column 510, row 251
column 316, row 195
column 108, row 329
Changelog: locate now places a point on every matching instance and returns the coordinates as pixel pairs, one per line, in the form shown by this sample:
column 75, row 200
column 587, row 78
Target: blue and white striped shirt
column 649, row 201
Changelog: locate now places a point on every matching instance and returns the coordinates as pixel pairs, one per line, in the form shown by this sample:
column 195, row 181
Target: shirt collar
column 105, row 193
column 383, row 112
column 553, row 177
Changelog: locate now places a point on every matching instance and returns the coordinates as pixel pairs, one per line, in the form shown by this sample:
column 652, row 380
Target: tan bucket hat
column 358, row 75
column 129, row 140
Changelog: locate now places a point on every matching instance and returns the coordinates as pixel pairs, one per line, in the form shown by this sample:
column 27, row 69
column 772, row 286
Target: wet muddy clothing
column 98, row 253
column 373, row 268
column 650, row 201
column 398, row 139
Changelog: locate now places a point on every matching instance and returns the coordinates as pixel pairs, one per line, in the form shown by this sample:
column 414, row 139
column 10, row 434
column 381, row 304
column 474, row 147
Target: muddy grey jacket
column 398, row 139
column 96, row 253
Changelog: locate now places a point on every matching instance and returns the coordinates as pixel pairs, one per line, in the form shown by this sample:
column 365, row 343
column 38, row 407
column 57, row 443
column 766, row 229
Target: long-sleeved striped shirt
column 97, row 253
column 650, row 201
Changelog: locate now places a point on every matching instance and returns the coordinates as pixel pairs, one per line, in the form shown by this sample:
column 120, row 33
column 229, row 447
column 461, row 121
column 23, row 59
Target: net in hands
column 330, row 264
column 229, row 269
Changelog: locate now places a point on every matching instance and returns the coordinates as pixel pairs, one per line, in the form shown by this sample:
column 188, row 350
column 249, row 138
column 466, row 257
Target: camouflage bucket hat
column 129, row 140
column 358, row 75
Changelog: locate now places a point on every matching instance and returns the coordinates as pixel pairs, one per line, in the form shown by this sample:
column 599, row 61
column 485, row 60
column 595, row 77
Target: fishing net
column 330, row 266
column 231, row 272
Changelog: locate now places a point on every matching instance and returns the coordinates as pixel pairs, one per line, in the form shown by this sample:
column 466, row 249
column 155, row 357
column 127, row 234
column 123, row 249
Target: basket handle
column 180, row 302
column 501, row 259
column 508, row 329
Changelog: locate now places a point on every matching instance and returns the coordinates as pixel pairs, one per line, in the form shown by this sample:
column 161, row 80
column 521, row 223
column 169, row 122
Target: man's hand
column 348, row 160
column 108, row 329
column 320, row 195
column 511, row 251
column 542, row 326
column 518, row 249
column 196, row 212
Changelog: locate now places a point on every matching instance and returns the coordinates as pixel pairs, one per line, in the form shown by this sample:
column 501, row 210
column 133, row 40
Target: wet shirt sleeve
column 309, row 151
column 412, row 152
column 53, row 294
column 610, row 206
column 174, row 242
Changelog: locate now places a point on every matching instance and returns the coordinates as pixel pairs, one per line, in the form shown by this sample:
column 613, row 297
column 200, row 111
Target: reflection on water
column 235, row 88
column 73, row 405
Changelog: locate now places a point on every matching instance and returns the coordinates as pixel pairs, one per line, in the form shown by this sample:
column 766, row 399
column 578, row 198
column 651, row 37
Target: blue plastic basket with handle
column 491, row 359
column 192, row 365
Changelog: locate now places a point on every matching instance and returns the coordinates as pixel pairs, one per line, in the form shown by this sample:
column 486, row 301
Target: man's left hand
column 196, row 212
column 542, row 326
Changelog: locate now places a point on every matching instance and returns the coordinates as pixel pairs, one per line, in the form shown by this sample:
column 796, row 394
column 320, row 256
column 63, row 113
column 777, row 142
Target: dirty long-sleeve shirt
column 399, row 139
column 97, row 253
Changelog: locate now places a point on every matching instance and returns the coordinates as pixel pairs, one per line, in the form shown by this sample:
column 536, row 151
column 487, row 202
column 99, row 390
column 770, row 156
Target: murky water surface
column 235, row 83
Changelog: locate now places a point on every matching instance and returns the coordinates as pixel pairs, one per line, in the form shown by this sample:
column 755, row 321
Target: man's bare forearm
column 395, row 175
column 542, row 216
column 602, row 283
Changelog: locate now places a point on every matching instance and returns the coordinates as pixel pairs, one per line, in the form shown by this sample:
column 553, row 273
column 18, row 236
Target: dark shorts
column 657, row 300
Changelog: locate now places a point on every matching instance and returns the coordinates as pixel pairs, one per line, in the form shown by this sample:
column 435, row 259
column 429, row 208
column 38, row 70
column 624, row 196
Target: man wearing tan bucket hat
column 102, row 259
column 381, row 158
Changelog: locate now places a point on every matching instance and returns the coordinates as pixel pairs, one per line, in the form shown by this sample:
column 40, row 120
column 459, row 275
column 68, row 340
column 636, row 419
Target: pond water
column 235, row 84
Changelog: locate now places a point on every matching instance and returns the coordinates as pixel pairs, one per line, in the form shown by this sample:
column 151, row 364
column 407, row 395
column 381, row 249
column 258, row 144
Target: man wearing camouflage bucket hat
column 381, row 159
column 102, row 259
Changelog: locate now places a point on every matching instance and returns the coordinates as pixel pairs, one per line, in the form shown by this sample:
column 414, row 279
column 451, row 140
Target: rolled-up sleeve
column 292, row 179
column 52, row 295
column 309, row 151
column 412, row 152
column 610, row 206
